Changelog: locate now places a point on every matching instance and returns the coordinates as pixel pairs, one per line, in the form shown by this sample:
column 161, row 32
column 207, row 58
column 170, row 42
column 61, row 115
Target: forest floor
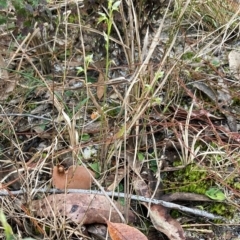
column 131, row 109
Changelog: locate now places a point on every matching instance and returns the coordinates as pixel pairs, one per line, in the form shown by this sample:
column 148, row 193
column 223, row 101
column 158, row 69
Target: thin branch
column 115, row 194
column 25, row 115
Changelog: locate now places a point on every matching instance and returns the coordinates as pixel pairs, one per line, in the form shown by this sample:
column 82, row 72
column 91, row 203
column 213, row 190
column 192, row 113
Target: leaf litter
column 163, row 117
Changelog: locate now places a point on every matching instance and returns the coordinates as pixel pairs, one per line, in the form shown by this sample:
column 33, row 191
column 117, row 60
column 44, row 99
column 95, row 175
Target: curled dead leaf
column 79, row 207
column 159, row 215
column 163, row 222
column 121, row 231
column 76, row 177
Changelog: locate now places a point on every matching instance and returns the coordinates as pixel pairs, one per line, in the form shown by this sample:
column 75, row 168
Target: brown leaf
column 79, row 207
column 160, row 218
column 120, row 231
column 76, row 177
column 101, row 87
column 163, row 222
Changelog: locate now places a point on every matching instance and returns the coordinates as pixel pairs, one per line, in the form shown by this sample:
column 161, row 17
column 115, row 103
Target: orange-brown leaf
column 120, row 231
column 79, row 207
column 76, row 177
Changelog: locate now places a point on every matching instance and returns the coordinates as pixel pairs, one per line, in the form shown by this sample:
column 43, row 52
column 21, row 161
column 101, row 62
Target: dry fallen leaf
column 120, row 231
column 100, row 87
column 160, row 218
column 76, row 177
column 221, row 97
column 163, row 222
column 208, row 90
column 79, row 207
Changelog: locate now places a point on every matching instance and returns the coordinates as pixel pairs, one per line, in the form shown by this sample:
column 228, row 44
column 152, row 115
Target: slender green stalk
column 108, row 19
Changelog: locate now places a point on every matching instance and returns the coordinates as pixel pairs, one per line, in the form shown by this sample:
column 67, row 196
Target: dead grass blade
column 7, row 85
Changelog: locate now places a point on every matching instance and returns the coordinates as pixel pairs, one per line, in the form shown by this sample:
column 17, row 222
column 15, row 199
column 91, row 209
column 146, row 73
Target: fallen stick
column 116, row 194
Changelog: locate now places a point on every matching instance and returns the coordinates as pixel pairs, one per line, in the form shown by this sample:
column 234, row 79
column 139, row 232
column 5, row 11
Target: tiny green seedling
column 7, row 228
column 215, row 194
column 108, row 19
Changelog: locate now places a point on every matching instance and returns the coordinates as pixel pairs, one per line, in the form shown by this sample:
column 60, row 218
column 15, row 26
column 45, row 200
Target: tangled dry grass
column 144, row 91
